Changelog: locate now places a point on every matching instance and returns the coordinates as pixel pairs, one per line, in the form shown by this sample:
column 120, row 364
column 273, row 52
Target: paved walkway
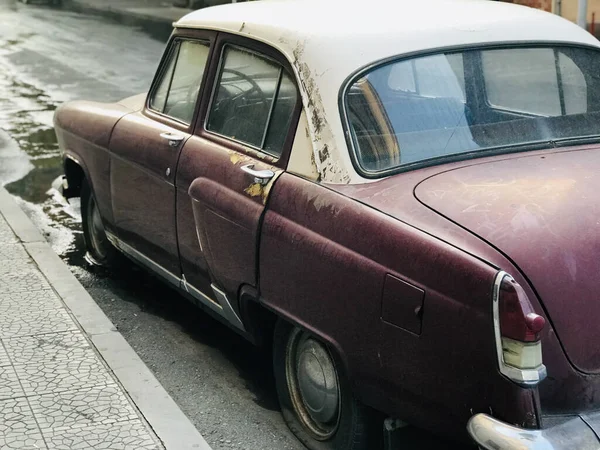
column 60, row 358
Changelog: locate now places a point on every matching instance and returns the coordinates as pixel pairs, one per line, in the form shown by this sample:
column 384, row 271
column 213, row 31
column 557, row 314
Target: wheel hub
column 97, row 233
column 317, row 381
column 313, row 384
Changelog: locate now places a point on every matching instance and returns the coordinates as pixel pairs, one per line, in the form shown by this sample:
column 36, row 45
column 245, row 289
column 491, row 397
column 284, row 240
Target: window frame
column 356, row 75
column 203, row 36
column 264, row 51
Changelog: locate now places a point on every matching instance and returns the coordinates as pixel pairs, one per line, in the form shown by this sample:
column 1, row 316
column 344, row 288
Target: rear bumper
column 575, row 433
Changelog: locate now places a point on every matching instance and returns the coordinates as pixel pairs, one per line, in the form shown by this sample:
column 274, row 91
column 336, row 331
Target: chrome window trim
column 216, row 84
column 273, row 104
column 525, row 378
column 222, row 306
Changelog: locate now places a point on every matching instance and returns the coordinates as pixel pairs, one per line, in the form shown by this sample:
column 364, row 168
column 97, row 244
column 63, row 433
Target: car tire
column 99, row 249
column 353, row 426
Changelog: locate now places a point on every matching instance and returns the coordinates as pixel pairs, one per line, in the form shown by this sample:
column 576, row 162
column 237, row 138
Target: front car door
column 145, row 148
column 242, row 141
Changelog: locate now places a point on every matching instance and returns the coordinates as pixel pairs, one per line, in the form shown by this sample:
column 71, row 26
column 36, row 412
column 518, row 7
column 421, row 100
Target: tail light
column 517, row 328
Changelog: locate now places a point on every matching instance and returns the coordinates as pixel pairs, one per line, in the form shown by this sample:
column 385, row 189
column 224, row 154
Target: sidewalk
column 68, row 379
column 156, row 16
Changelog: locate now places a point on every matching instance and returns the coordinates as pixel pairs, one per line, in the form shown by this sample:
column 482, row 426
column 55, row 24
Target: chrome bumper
column 492, row 434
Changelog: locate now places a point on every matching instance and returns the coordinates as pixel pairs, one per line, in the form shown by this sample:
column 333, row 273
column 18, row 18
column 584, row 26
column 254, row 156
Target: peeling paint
column 236, row 158
column 254, row 190
column 267, row 189
column 324, row 153
column 327, row 166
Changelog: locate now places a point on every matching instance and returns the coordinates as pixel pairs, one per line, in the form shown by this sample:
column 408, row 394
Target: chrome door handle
column 260, row 176
column 174, row 139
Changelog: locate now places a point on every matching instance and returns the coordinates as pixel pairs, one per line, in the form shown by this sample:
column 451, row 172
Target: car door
column 242, row 141
column 145, row 147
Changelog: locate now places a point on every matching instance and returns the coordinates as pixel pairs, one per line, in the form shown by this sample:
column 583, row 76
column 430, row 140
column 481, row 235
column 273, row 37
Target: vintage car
column 400, row 199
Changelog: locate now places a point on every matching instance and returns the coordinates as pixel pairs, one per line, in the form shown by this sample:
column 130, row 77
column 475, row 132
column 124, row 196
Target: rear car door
column 242, row 142
column 145, row 149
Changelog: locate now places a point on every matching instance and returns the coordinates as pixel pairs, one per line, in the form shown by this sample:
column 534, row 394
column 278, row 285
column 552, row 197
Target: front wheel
column 99, row 249
column 316, row 401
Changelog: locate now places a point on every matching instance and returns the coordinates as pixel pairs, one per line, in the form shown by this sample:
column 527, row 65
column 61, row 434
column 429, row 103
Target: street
column 48, row 56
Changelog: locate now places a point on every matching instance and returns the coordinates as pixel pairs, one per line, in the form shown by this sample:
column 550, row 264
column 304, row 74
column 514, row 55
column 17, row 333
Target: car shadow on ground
column 143, row 292
column 152, row 296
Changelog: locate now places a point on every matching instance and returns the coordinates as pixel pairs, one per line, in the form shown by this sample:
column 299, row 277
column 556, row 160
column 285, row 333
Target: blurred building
column 566, row 8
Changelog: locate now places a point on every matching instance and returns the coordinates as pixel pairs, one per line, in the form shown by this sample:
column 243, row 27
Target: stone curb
column 169, row 423
column 158, row 26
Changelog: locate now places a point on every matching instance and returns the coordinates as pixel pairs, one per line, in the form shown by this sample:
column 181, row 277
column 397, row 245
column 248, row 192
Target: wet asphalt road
column 48, row 56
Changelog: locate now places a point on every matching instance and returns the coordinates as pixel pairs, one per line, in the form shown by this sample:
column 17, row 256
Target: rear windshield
column 415, row 110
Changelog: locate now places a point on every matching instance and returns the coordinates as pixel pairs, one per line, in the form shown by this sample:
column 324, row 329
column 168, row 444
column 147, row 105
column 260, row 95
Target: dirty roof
column 328, row 40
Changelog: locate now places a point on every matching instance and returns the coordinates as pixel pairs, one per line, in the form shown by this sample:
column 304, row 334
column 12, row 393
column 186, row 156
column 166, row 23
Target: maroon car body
column 392, row 267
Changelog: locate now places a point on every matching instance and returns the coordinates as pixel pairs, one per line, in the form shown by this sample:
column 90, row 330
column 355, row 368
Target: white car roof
column 328, row 40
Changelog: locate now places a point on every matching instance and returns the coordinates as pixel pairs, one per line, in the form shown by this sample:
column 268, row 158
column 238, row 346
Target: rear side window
column 253, row 102
column 179, row 86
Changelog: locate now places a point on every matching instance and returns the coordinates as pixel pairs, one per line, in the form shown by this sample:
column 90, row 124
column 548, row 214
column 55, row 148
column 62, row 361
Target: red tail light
column 517, row 328
column 518, row 321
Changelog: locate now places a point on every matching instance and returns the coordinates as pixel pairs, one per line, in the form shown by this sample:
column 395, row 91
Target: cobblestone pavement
column 55, row 391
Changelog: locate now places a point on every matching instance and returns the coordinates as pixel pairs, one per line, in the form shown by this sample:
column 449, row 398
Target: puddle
column 49, row 56
column 31, row 160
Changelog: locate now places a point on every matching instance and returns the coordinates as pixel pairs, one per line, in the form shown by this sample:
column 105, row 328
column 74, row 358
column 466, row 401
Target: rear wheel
column 99, row 249
column 316, row 401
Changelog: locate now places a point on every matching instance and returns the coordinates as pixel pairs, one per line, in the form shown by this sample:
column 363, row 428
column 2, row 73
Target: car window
column 178, row 89
column 432, row 76
column 512, row 90
column 573, row 84
column 425, row 108
column 254, row 101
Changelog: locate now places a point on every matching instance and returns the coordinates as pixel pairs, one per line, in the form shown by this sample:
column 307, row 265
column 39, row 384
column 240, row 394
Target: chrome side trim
column 202, row 298
column 228, row 312
column 492, row 434
column 526, row 378
column 143, row 259
column 221, row 307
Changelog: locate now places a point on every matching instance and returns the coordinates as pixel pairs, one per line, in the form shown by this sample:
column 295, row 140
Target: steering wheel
column 234, row 123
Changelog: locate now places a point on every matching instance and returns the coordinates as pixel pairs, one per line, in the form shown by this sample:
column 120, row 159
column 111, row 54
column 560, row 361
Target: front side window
column 177, row 91
column 254, row 101
column 429, row 107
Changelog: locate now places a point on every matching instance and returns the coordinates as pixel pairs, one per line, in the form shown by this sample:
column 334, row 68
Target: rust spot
column 324, row 153
column 254, row 190
column 314, row 100
column 322, row 139
column 267, row 189
column 236, row 158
